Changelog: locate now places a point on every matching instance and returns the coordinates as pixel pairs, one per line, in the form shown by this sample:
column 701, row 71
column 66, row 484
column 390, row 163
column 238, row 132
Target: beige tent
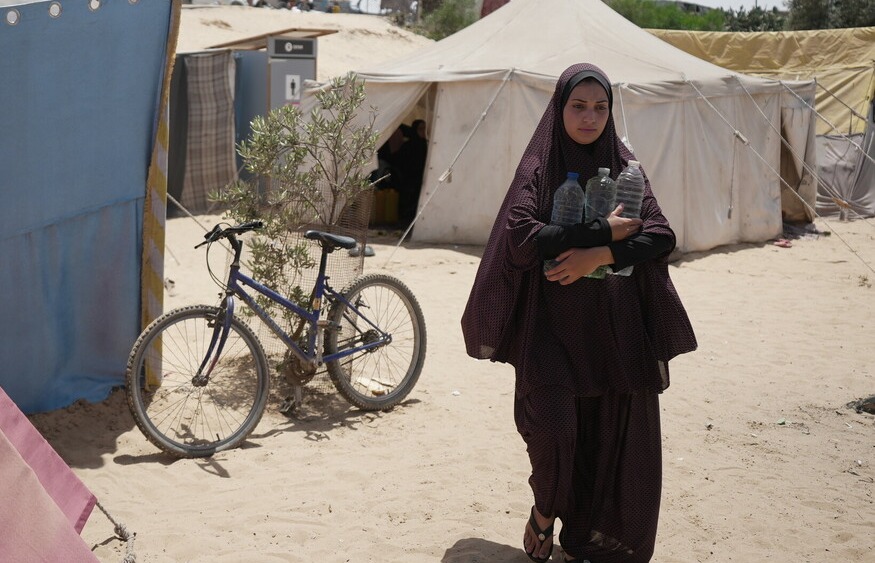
column 843, row 63
column 709, row 138
column 841, row 60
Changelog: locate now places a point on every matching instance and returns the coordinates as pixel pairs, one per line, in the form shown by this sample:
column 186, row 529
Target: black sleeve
column 553, row 240
column 638, row 248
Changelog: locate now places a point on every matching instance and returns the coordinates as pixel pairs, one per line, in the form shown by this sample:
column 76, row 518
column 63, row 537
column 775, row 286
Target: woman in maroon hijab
column 591, row 355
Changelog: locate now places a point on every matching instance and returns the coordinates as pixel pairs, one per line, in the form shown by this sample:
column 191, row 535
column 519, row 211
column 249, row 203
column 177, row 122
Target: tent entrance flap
column 396, row 101
column 447, row 174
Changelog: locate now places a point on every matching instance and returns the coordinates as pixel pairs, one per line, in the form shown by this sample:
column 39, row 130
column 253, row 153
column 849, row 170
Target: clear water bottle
column 630, row 192
column 601, row 191
column 567, row 207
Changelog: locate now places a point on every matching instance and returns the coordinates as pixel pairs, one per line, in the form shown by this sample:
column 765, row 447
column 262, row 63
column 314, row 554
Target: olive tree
column 308, row 171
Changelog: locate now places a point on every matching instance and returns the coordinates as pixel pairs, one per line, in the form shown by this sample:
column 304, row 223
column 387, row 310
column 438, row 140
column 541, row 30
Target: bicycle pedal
column 288, row 406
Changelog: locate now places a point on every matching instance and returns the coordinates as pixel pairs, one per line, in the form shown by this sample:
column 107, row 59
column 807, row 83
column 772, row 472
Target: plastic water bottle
column 630, row 192
column 601, row 191
column 567, row 208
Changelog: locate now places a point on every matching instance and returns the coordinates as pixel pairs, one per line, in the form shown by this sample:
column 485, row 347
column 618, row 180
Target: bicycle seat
column 333, row 241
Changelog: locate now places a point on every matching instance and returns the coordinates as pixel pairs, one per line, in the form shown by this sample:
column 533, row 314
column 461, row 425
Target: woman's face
column 586, row 112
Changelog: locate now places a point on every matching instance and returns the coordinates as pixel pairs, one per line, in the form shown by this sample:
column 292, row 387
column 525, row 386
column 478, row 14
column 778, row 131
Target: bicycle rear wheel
column 181, row 414
column 379, row 378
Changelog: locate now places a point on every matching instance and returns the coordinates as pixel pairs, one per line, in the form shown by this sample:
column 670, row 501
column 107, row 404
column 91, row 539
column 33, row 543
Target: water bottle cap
column 604, row 171
column 573, row 175
column 634, row 163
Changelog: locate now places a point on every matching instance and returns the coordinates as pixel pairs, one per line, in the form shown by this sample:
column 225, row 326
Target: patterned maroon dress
column 591, row 357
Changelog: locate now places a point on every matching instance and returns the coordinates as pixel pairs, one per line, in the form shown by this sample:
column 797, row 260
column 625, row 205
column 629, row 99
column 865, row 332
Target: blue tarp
column 79, row 96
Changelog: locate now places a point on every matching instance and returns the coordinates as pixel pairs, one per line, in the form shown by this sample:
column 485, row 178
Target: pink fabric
column 44, row 505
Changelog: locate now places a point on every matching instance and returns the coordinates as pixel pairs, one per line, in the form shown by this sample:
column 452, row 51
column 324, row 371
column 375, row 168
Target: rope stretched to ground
column 831, row 190
column 182, row 208
column 124, row 534
column 830, row 123
column 854, row 112
column 191, row 216
column 745, row 141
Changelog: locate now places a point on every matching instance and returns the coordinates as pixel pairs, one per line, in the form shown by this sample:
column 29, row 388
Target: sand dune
column 357, row 41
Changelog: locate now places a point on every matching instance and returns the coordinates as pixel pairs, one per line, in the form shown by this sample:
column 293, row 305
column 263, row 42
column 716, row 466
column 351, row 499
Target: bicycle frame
column 236, row 284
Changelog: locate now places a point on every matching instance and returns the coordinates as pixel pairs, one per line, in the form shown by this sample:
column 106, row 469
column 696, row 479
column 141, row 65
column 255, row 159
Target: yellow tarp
column 841, row 60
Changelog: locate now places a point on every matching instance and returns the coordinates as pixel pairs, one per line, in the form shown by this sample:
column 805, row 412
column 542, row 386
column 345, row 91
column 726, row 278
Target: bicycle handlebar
column 230, row 232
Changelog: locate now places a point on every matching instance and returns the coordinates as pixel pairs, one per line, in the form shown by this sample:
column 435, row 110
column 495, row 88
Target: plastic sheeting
column 847, row 170
column 78, row 115
column 842, row 61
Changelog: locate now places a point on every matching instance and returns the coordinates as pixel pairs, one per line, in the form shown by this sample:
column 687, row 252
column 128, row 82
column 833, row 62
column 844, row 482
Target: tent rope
column 627, row 139
column 828, row 122
column 189, row 214
column 448, row 173
column 833, row 192
column 732, row 180
column 182, row 208
column 124, row 534
column 744, row 140
column 740, row 136
column 841, row 101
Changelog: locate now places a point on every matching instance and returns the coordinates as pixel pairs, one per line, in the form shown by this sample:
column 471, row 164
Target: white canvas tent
column 842, row 61
column 709, row 138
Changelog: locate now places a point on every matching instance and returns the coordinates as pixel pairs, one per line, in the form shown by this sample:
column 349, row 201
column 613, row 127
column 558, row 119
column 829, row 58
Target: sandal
column 542, row 536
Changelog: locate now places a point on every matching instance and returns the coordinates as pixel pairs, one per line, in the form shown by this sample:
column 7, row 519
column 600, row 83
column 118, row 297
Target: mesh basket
column 342, row 268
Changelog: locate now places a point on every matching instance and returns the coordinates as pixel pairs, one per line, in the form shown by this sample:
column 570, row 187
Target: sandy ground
column 763, row 460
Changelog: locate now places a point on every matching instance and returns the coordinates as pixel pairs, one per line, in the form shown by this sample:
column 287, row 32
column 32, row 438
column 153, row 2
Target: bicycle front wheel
column 181, row 412
column 378, row 378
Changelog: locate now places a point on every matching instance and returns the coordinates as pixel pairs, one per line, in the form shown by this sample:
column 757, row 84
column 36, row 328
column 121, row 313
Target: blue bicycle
column 198, row 378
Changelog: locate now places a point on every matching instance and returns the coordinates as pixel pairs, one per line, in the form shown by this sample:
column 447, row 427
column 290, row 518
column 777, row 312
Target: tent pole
column 155, row 197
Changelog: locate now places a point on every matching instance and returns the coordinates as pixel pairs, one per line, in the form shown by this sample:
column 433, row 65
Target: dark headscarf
column 580, row 77
column 414, row 127
column 576, row 335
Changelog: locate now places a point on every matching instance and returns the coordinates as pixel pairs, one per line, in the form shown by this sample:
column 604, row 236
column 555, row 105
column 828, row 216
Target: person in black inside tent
column 387, row 174
column 411, row 164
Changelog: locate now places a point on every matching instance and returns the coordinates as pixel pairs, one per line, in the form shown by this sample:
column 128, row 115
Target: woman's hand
column 575, row 263
column 622, row 227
